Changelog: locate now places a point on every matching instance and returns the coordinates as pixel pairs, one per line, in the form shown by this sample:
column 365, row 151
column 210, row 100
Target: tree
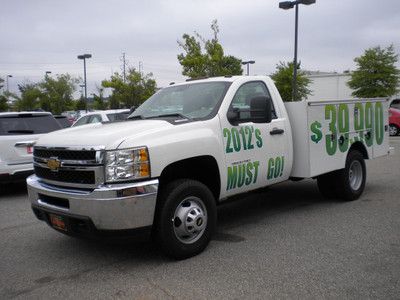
column 3, row 103
column 376, row 74
column 99, row 102
column 133, row 91
column 80, row 104
column 3, row 99
column 283, row 78
column 212, row 62
column 30, row 97
column 51, row 94
column 57, row 93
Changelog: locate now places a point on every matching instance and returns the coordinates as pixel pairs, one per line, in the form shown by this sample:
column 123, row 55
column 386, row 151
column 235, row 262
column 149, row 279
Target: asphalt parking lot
column 285, row 242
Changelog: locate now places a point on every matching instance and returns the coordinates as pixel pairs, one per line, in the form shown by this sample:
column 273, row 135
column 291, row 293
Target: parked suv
column 18, row 133
column 112, row 115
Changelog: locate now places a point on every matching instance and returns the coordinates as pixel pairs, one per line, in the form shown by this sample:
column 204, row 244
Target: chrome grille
column 75, row 167
column 65, row 154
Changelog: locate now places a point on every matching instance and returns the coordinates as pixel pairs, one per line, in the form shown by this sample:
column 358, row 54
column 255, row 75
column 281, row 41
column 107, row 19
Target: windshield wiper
column 137, row 117
column 169, row 115
column 21, row 131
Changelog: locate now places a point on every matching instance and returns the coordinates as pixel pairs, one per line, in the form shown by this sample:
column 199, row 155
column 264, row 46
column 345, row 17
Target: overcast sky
column 47, row 35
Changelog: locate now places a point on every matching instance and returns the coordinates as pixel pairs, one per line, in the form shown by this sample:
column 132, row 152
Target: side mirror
column 233, row 116
column 260, row 110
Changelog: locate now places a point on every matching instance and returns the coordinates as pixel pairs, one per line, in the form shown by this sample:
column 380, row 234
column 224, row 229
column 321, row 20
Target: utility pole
column 140, row 67
column 124, row 66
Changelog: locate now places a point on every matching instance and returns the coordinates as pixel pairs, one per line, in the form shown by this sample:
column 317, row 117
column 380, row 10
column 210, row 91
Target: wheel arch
column 359, row 147
column 202, row 168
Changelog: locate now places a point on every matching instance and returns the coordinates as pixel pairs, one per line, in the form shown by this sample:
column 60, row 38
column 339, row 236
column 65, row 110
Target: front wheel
column 185, row 218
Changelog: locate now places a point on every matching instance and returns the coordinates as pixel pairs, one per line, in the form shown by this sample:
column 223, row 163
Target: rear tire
column 348, row 183
column 185, row 218
column 351, row 180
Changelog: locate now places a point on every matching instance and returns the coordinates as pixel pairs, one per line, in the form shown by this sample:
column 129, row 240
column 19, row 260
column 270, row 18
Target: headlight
column 127, row 164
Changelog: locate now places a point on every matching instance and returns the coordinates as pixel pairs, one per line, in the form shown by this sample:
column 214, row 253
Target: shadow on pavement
column 246, row 209
column 13, row 188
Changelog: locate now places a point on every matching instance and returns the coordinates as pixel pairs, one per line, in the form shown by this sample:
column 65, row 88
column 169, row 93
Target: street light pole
column 247, row 63
column 288, row 5
column 8, row 76
column 296, row 26
column 84, row 57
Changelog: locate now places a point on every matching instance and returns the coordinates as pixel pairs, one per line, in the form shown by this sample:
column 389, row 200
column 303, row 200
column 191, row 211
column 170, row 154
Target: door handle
column 276, row 131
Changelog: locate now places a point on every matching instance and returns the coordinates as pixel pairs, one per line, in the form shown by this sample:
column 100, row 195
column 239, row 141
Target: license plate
column 57, row 222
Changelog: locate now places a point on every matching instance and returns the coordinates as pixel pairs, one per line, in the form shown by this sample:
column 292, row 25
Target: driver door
column 254, row 152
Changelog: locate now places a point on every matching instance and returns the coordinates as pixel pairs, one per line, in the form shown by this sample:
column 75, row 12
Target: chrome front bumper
column 109, row 207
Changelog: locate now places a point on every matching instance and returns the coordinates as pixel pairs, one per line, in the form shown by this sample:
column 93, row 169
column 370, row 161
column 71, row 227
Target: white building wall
column 329, row 86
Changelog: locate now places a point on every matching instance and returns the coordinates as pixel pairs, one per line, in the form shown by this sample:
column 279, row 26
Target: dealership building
column 330, row 85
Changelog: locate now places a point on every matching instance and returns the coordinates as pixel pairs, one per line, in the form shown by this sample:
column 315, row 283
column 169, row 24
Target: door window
column 243, row 96
column 82, row 121
column 94, row 119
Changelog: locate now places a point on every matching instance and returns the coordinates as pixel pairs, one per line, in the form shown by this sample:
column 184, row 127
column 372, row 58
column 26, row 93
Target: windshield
column 118, row 116
column 192, row 101
column 28, row 124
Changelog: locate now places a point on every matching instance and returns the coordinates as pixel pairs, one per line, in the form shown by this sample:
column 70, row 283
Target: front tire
column 185, row 218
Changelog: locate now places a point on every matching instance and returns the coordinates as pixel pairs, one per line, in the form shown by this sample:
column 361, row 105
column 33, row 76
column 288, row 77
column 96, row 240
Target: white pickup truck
column 194, row 145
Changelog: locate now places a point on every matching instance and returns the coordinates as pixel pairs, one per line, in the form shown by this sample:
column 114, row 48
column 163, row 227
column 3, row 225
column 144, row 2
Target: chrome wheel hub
column 355, row 175
column 190, row 220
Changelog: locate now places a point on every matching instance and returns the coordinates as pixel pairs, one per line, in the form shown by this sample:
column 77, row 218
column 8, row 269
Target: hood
column 110, row 135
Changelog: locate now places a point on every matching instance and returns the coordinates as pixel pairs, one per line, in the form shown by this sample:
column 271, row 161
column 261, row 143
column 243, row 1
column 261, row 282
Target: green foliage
column 134, row 91
column 3, row 103
column 80, row 104
column 51, row 94
column 212, row 62
column 99, row 102
column 3, row 98
column 376, row 74
column 283, row 78
column 30, row 97
column 57, row 93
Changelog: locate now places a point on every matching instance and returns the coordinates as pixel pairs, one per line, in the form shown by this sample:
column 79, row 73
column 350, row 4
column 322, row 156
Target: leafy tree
column 51, row 94
column 57, row 93
column 30, row 97
column 3, row 99
column 212, row 62
column 376, row 74
column 133, row 91
column 3, row 103
column 283, row 78
column 80, row 104
column 99, row 102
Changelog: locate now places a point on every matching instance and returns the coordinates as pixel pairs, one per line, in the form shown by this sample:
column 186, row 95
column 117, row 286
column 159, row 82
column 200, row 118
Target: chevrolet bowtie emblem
column 54, row 164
